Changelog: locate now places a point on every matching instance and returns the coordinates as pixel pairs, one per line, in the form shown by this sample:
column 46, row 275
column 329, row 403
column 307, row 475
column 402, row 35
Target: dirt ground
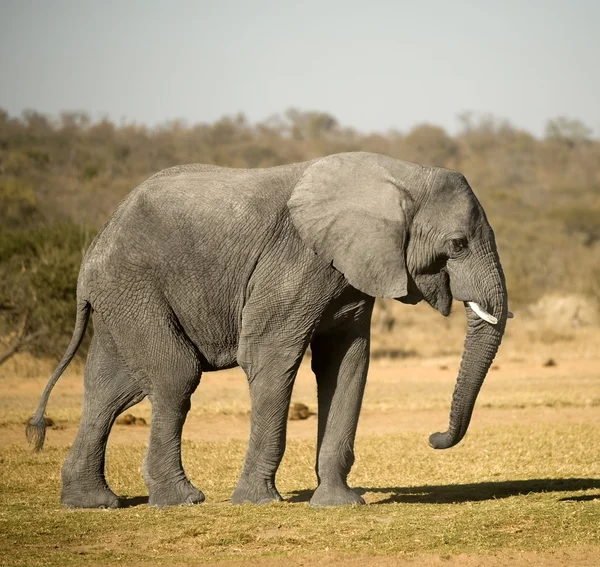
column 206, row 422
column 219, row 427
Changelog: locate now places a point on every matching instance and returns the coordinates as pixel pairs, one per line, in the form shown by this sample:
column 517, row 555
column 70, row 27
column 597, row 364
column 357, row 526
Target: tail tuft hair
column 36, row 432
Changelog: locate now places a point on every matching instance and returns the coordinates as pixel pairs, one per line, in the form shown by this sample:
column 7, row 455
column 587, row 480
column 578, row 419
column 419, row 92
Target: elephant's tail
column 36, row 427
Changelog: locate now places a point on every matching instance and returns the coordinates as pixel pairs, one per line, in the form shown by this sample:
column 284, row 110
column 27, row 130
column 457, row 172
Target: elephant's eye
column 456, row 246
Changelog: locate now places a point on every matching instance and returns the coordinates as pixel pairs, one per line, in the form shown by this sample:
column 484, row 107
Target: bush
column 38, row 279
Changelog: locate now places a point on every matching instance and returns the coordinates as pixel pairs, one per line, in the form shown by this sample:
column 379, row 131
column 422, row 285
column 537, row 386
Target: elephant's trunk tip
column 36, row 432
column 443, row 440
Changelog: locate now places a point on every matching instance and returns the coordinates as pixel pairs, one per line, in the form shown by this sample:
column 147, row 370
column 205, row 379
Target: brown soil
column 215, row 427
column 212, row 426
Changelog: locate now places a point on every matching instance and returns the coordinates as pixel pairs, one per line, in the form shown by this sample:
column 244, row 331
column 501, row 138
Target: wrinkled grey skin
column 204, row 268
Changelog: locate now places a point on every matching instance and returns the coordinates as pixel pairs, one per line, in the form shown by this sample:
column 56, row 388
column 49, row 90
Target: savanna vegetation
column 60, row 178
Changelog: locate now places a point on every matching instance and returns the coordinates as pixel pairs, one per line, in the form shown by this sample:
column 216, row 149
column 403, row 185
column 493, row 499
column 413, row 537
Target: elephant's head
column 410, row 232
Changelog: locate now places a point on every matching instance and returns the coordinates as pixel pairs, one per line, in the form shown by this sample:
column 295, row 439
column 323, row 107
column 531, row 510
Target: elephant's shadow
column 476, row 492
column 131, row 501
column 451, row 493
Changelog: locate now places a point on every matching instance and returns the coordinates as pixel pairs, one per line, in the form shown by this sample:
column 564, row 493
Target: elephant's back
column 198, row 202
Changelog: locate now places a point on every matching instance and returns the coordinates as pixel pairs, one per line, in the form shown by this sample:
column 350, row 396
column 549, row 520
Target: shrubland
column 61, row 177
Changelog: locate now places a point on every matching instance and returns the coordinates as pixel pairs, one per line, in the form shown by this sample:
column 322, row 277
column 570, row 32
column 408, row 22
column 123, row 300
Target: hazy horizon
column 387, row 65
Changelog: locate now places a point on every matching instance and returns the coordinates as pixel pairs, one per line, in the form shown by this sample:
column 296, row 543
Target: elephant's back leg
column 167, row 365
column 108, row 391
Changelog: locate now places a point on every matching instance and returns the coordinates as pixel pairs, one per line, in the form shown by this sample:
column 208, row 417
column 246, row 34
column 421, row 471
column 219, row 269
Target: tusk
column 483, row 314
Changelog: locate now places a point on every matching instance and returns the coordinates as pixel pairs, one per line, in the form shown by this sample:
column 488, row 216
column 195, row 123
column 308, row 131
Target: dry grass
column 518, row 488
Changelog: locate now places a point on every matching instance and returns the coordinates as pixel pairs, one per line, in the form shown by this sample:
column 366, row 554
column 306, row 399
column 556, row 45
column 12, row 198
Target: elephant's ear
column 350, row 212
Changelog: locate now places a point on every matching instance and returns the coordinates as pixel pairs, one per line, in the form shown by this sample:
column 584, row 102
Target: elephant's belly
column 215, row 334
column 221, row 360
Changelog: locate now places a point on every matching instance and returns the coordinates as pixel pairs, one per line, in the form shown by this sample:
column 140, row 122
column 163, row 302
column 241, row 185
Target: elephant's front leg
column 271, row 368
column 340, row 363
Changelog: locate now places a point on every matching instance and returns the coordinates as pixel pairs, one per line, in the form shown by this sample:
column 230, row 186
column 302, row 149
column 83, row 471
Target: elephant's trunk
column 481, row 344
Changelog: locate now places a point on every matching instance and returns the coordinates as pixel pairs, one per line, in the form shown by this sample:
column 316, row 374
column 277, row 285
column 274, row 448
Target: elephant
column 203, row 268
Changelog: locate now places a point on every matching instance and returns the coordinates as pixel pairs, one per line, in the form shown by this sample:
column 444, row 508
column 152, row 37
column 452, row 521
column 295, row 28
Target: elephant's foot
column 255, row 492
column 335, row 495
column 181, row 493
column 82, row 497
column 86, row 489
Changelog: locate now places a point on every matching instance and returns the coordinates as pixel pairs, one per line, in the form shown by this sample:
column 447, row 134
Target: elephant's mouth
column 440, row 296
column 433, row 288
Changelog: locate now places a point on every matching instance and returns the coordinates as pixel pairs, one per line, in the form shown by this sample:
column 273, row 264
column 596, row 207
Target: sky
column 374, row 65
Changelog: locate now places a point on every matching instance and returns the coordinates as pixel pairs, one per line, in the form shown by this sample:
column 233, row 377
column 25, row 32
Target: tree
column 430, row 144
column 571, row 131
column 310, row 125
